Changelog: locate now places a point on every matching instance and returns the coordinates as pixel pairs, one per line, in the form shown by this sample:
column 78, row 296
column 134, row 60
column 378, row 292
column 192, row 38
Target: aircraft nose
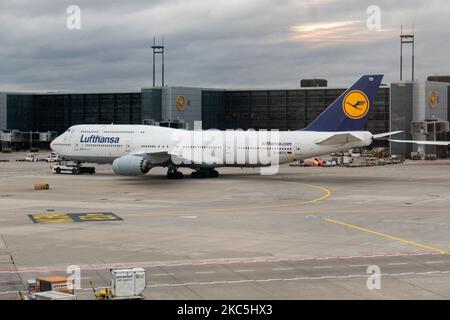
column 52, row 144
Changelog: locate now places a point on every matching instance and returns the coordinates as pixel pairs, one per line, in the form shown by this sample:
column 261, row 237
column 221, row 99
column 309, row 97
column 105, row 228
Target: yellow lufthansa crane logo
column 356, row 104
column 432, row 99
column 181, row 103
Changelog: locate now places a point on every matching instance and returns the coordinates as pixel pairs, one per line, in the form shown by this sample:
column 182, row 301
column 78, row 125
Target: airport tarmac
column 306, row 233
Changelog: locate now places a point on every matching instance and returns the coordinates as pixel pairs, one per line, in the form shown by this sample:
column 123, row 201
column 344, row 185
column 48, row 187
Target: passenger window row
column 105, row 145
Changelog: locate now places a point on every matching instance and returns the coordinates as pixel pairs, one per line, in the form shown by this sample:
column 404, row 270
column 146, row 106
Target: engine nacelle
column 130, row 165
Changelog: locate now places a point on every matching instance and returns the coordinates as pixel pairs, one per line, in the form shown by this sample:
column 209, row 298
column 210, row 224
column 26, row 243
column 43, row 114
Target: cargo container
column 128, row 283
column 53, row 283
column 54, row 295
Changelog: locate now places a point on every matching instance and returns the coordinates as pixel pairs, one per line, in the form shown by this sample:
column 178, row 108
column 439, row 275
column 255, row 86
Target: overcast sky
column 214, row 43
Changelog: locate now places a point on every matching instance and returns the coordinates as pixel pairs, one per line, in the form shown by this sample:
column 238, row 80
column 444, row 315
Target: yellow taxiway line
column 326, row 194
column 423, row 246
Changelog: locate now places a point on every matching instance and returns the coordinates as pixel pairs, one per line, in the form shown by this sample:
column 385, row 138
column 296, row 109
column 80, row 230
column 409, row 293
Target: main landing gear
column 205, row 173
column 173, row 173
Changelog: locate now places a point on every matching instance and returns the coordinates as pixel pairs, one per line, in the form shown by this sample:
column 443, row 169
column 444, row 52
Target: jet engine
column 131, row 165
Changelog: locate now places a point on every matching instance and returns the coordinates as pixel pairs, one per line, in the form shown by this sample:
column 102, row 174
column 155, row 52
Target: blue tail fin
column 349, row 111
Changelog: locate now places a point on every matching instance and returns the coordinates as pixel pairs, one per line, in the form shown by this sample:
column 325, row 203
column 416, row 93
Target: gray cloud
column 221, row 43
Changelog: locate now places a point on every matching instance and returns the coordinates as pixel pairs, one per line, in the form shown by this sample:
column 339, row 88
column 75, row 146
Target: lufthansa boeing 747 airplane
column 135, row 149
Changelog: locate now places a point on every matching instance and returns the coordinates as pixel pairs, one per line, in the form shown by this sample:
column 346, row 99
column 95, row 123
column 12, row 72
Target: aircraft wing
column 338, row 139
column 187, row 158
column 196, row 157
column 154, row 158
column 429, row 143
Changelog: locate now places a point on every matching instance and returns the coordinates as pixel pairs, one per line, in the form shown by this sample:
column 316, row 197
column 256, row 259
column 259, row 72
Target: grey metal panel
column 419, row 99
column 193, row 109
column 423, row 110
column 410, row 102
column 436, row 112
column 439, row 110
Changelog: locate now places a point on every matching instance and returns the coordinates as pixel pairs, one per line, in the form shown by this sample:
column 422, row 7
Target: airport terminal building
column 398, row 106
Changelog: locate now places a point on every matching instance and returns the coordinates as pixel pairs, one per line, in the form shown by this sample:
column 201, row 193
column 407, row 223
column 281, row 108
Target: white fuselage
column 105, row 143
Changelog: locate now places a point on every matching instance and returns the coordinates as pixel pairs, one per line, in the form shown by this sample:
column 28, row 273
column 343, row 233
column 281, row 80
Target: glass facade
column 213, row 110
column 57, row 112
column 220, row 109
column 293, row 109
column 19, row 113
column 378, row 117
column 152, row 104
column 401, row 116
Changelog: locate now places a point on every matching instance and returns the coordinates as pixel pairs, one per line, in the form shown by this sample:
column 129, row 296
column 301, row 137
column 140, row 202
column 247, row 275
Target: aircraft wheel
column 173, row 173
column 178, row 175
column 195, row 175
column 213, row 173
column 171, row 176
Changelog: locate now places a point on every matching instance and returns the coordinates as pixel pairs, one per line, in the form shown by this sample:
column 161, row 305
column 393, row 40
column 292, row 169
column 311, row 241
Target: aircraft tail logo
column 356, row 104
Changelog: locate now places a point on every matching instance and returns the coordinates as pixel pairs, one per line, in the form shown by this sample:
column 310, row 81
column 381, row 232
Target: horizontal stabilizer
column 386, row 134
column 339, row 139
column 428, row 143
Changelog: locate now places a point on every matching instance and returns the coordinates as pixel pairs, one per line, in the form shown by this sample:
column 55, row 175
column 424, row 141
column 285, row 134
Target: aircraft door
column 74, row 139
column 128, row 145
column 297, row 151
column 230, row 148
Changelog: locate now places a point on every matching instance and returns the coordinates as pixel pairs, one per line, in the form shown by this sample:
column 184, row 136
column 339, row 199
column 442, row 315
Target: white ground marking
column 359, row 265
column 291, row 279
column 282, row 269
column 155, row 264
column 268, row 280
column 245, row 270
column 323, row 267
column 434, row 262
column 162, row 274
column 398, row 263
column 205, row 272
column 11, row 292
